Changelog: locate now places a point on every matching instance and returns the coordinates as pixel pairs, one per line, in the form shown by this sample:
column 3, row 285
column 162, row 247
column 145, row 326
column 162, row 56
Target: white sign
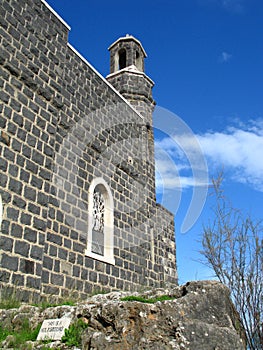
column 53, row 329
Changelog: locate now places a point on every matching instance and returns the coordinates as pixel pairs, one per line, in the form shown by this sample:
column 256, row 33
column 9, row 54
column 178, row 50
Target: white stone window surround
column 100, row 184
column 1, row 211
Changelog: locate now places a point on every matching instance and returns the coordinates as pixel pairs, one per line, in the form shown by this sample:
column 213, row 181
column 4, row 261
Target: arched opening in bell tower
column 138, row 61
column 122, row 59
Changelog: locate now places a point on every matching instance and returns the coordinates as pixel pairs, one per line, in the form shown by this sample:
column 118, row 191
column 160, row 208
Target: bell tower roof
column 126, row 38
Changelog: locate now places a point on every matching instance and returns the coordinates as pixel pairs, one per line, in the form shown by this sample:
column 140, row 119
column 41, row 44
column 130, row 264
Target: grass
column 4, row 332
column 73, row 335
column 12, row 303
column 147, row 300
column 98, row 291
column 9, row 302
column 24, row 333
column 20, row 336
column 45, row 304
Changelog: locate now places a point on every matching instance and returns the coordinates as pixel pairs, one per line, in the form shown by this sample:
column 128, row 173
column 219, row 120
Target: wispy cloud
column 237, row 150
column 171, row 175
column 224, row 57
column 234, row 6
column 175, row 167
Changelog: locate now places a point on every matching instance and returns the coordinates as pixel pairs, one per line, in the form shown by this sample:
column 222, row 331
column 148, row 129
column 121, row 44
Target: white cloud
column 224, row 57
column 169, row 175
column 172, row 182
column 236, row 150
column 179, row 167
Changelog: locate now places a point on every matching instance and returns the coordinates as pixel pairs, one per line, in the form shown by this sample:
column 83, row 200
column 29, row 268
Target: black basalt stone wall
column 62, row 126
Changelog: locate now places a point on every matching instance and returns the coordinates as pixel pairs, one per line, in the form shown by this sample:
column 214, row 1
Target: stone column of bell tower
column 128, row 77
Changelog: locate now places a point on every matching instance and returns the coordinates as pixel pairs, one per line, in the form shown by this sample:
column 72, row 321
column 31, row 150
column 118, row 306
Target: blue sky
column 206, row 59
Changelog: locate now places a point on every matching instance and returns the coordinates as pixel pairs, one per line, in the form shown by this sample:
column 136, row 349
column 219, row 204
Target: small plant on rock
column 46, row 304
column 147, row 300
column 73, row 335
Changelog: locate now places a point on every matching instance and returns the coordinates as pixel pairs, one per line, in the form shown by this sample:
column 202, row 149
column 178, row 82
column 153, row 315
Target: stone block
column 15, row 186
column 9, row 262
column 33, row 282
column 3, row 165
column 26, row 219
column 6, row 244
column 22, row 248
column 16, row 230
column 5, row 276
column 12, row 213
column 36, row 253
column 48, row 263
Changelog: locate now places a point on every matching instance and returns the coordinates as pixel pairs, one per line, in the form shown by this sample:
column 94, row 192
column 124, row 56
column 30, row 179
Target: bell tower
column 128, row 77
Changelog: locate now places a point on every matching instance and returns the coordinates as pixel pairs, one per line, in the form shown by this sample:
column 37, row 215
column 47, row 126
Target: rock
column 199, row 316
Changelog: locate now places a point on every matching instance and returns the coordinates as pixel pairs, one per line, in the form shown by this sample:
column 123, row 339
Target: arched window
column 122, row 58
column 100, row 226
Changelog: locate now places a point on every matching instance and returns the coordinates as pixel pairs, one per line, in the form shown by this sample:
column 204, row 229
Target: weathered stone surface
column 200, row 316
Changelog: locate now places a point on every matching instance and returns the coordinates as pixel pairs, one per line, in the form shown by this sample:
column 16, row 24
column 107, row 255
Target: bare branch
column 233, row 246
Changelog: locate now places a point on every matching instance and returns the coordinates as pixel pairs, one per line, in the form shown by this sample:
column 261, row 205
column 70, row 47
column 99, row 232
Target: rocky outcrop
column 199, row 316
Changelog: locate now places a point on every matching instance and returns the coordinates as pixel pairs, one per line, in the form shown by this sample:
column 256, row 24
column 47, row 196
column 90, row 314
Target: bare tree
column 233, row 246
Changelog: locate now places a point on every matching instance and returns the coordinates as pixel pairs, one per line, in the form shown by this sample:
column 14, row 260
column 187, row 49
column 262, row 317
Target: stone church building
column 78, row 204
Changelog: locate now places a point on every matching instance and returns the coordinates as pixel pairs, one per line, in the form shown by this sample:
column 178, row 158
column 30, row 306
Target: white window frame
column 104, row 188
column 1, row 211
